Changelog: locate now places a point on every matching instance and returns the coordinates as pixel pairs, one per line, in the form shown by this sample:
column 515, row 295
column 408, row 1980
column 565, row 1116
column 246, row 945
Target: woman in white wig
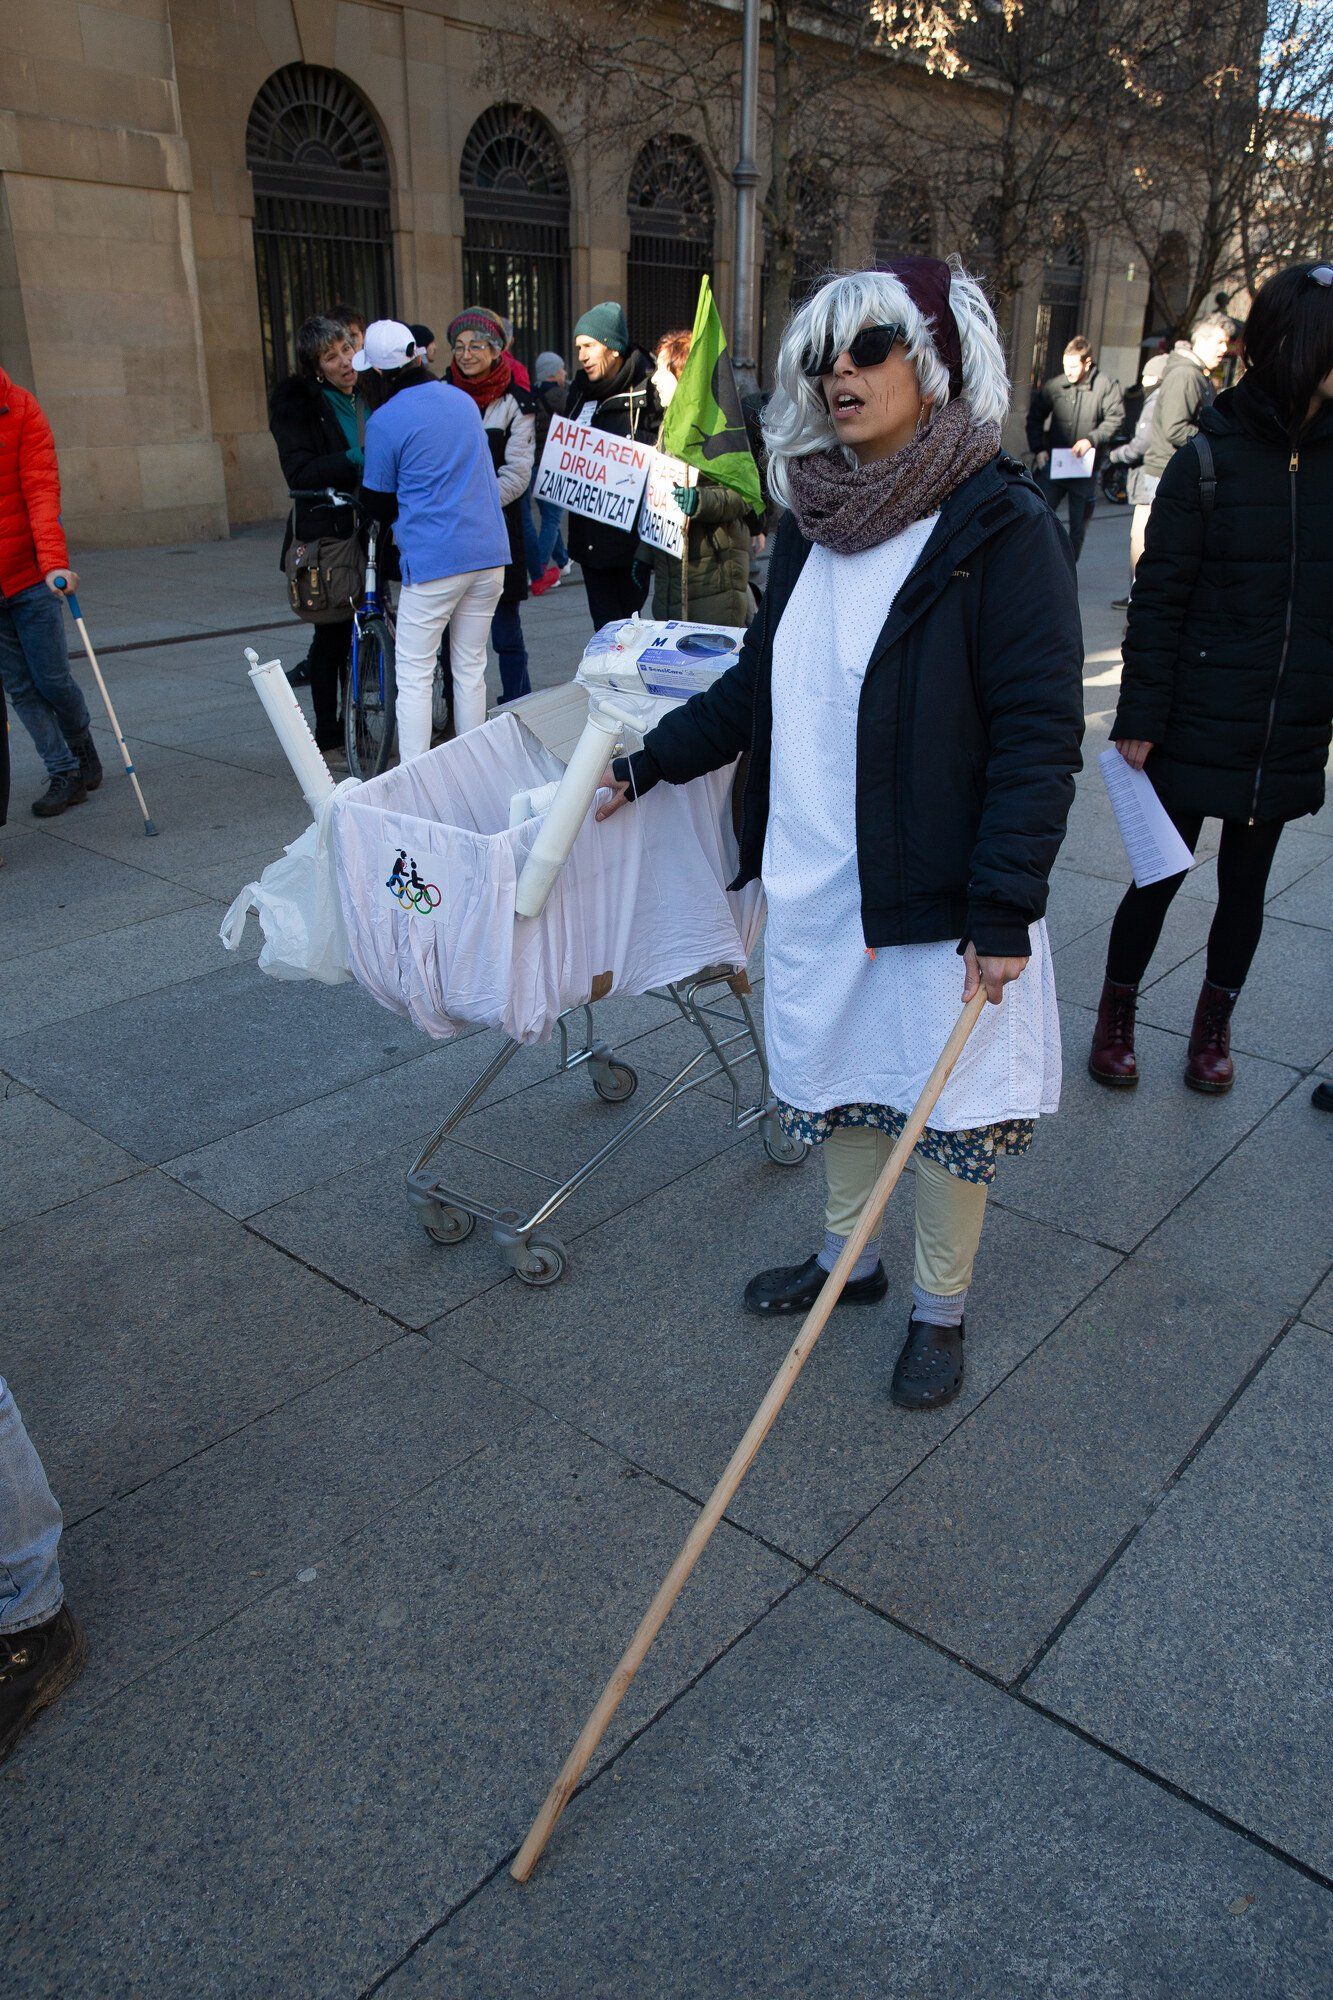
column 911, row 696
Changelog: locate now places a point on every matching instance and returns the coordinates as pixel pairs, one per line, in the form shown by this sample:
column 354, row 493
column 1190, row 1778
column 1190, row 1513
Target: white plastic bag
column 428, row 866
column 299, row 909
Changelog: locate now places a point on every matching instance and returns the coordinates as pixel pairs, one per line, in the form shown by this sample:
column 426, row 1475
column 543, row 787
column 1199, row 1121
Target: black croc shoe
column 929, row 1370
column 793, row 1288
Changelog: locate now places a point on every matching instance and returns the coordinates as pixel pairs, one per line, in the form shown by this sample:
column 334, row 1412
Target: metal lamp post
column 745, row 180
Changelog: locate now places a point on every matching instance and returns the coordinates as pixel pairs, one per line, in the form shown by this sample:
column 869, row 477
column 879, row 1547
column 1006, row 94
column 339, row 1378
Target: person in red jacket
column 34, row 656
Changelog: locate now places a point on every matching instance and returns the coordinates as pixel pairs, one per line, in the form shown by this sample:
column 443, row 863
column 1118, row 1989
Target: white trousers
column 466, row 605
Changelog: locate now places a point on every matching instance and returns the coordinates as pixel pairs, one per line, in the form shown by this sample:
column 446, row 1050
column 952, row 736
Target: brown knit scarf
column 848, row 508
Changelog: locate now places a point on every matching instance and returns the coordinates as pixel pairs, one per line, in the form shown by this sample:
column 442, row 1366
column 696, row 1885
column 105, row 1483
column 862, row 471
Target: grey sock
column 937, row 1310
column 865, row 1264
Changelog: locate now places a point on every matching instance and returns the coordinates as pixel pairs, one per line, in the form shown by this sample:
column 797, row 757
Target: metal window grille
column 671, row 218
column 321, row 228
column 515, row 190
column 902, row 224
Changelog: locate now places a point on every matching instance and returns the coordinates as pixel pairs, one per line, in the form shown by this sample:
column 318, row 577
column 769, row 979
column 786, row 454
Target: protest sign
column 592, row 473
column 661, row 523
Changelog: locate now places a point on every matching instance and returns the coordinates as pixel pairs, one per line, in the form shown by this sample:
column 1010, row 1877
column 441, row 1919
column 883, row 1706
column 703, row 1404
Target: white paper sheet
column 1154, row 848
column 1064, row 464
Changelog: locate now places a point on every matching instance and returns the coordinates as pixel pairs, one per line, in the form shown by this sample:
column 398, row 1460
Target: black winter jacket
column 1182, row 393
column 971, row 714
column 1229, row 654
column 1094, row 409
column 312, row 452
column 630, row 409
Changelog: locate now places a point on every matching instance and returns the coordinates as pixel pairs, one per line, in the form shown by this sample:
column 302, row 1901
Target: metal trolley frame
column 716, row 1003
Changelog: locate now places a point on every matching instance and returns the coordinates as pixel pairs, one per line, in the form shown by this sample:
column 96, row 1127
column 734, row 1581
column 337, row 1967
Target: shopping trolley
column 716, row 1003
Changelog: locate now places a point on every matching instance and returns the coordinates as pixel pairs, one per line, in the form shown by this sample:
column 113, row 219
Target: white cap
column 388, row 344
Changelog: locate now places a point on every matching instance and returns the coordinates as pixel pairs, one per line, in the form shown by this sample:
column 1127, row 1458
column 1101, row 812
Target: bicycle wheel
column 369, row 708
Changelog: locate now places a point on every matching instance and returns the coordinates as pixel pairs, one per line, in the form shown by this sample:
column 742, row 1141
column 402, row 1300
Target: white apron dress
column 852, row 1038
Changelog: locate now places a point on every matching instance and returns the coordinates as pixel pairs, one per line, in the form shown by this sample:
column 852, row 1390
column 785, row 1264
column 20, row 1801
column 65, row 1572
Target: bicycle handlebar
column 329, row 493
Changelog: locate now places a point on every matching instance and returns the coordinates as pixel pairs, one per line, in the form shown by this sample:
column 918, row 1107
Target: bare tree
column 1226, row 171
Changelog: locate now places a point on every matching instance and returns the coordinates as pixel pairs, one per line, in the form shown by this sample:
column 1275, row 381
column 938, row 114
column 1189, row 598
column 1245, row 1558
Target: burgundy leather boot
column 1209, row 1066
column 1111, row 1060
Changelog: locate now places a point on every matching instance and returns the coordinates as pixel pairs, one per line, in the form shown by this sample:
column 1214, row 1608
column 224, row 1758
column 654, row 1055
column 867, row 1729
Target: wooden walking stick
column 746, row 1451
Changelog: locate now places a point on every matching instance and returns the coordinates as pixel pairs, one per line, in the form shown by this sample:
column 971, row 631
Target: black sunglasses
column 872, row 345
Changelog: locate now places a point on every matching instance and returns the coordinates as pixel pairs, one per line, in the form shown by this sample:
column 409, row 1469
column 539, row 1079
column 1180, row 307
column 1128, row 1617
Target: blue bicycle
column 368, row 707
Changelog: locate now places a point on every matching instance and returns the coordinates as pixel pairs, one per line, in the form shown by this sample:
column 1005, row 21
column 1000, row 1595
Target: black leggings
column 330, row 650
column 1243, row 862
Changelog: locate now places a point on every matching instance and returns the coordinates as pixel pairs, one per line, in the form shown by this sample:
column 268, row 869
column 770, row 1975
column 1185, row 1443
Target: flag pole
column 745, row 180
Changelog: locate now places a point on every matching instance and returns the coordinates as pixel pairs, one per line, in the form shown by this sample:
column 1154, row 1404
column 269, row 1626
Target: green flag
column 704, row 424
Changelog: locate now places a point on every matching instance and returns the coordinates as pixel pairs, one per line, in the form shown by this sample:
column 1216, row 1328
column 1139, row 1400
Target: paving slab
column 646, row 1346
column 58, row 894
column 1319, row 1309
column 1079, row 903
column 516, row 1154
column 48, row 1158
column 992, row 1541
column 217, row 824
column 292, row 1800
column 197, row 1328
column 1080, row 967
column 1310, row 900
column 167, row 1072
column 168, row 1563
column 1204, row 1654
column 835, row 1811
column 1286, row 1009
column 1114, row 1162
column 47, row 987
column 1299, row 852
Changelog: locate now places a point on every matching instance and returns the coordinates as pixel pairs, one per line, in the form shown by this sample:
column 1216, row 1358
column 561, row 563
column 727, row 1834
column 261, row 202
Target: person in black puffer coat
column 1227, row 694
column 612, row 392
column 314, row 422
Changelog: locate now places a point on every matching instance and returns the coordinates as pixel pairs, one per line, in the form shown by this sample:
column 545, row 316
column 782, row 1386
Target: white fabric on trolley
column 428, row 865
column 842, row 1027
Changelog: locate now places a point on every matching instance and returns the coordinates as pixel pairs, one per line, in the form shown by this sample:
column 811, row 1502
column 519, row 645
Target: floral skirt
column 970, row 1155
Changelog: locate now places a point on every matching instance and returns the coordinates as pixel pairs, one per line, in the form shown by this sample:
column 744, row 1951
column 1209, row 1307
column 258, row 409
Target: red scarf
column 484, row 389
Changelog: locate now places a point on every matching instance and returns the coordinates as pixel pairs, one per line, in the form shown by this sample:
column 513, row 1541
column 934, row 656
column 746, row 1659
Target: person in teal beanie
column 612, row 391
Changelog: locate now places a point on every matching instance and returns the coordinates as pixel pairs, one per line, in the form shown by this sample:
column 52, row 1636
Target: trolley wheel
column 614, row 1082
column 446, row 1224
column 545, row 1264
column 782, row 1150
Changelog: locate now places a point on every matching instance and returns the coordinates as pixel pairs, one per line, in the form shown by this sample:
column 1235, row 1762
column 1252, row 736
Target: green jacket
column 718, row 552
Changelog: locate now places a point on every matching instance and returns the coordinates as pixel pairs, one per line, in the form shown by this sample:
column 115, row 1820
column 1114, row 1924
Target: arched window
column 321, row 182
column 670, row 236
column 515, row 190
column 1060, row 313
column 902, row 223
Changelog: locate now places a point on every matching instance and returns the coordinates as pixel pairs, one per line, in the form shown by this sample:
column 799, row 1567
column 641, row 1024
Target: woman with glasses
column 1227, row 693
column 911, row 697
column 484, row 371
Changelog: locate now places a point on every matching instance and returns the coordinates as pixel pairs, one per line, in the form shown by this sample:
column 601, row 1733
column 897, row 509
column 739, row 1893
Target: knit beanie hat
column 607, row 324
column 477, row 319
column 547, row 367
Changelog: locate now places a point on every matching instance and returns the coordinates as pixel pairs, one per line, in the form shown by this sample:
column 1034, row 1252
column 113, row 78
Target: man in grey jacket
column 1186, row 388
column 1079, row 410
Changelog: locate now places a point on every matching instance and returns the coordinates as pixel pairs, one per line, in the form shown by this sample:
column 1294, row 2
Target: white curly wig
column 797, row 420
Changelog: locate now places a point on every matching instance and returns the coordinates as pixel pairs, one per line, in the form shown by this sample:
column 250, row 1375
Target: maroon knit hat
column 926, row 283
column 476, row 319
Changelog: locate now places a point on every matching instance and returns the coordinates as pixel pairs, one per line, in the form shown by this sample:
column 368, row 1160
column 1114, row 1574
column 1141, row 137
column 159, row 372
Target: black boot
column 36, row 1666
column 90, row 764
column 63, row 792
column 793, row 1288
column 929, row 1370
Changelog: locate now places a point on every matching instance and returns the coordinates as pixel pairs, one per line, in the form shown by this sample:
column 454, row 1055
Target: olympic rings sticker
column 408, row 880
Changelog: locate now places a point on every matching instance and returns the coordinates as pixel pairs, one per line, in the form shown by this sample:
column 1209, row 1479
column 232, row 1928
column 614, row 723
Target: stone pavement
column 1029, row 1697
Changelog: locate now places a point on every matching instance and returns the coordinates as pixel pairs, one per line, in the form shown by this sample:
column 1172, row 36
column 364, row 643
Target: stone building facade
column 180, row 180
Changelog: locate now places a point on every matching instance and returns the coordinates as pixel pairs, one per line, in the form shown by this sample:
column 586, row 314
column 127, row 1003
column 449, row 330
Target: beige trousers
column 949, row 1211
column 1138, row 528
